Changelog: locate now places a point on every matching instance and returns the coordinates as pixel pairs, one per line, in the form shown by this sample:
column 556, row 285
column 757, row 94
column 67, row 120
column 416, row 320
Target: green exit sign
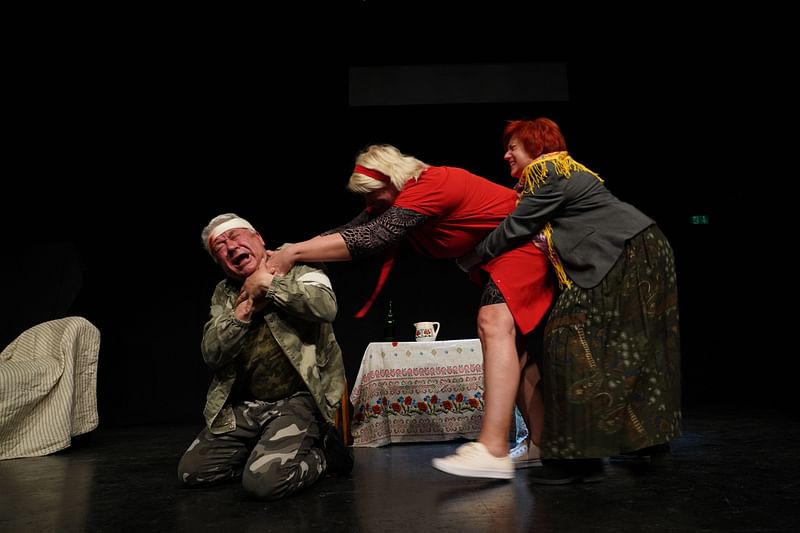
column 699, row 219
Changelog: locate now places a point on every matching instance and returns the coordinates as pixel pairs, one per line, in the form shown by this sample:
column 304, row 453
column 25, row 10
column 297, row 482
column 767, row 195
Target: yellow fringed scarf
column 535, row 174
column 536, row 171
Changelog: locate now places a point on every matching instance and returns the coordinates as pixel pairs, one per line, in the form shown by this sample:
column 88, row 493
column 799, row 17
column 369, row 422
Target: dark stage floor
column 730, row 471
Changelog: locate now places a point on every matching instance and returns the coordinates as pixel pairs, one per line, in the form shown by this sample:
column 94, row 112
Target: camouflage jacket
column 300, row 318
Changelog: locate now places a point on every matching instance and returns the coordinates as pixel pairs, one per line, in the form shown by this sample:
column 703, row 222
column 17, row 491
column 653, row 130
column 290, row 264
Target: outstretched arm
column 527, row 219
column 376, row 235
column 324, row 248
column 361, row 219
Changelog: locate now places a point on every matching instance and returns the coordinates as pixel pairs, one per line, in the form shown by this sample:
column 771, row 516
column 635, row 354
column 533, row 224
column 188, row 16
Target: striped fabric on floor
column 48, row 387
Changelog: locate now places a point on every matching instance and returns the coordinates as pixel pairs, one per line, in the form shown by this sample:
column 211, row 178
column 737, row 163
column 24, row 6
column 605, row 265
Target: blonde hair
column 388, row 160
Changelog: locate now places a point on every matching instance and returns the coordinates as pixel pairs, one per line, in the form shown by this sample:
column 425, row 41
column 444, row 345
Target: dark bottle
column 389, row 325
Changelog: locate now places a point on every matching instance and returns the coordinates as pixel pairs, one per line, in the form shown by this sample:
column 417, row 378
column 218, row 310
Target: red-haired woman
column 611, row 363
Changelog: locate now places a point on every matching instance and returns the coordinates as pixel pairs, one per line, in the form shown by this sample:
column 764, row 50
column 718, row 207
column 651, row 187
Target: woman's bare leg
column 530, row 401
column 501, row 375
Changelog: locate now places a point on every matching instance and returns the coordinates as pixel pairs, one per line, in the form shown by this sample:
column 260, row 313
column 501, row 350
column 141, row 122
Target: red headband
column 374, row 174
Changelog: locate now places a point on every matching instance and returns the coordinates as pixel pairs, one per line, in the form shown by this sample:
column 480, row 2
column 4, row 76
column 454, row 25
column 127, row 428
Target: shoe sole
column 589, row 478
column 654, row 454
column 527, row 463
column 447, row 468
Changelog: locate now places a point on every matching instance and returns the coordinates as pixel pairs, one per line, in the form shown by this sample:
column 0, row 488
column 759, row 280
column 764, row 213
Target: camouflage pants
column 275, row 449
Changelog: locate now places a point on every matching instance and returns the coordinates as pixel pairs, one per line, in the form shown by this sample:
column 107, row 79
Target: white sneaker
column 525, row 455
column 474, row 460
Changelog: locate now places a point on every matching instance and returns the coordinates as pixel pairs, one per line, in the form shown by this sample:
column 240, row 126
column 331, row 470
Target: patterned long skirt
column 611, row 366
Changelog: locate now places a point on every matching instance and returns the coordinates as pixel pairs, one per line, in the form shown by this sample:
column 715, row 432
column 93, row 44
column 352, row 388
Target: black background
column 125, row 138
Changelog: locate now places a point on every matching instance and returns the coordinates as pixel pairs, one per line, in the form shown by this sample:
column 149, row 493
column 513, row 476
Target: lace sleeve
column 380, row 233
column 361, row 218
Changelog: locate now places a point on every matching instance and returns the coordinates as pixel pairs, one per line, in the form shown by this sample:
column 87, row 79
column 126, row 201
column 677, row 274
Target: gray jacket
column 303, row 308
column 590, row 225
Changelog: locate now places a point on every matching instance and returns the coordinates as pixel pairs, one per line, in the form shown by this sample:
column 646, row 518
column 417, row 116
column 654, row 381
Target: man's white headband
column 227, row 225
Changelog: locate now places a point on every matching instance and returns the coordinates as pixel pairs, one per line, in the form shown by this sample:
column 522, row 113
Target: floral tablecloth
column 418, row 391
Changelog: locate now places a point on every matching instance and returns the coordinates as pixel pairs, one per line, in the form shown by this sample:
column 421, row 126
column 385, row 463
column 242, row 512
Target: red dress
column 464, row 208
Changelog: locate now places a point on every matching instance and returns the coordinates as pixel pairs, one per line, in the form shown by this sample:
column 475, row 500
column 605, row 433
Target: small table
column 418, row 392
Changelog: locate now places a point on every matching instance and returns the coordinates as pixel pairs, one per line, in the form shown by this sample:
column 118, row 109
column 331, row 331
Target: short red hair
column 539, row 136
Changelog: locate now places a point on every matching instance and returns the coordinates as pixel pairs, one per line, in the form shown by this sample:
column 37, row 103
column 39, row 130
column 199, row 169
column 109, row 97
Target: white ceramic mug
column 426, row 331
